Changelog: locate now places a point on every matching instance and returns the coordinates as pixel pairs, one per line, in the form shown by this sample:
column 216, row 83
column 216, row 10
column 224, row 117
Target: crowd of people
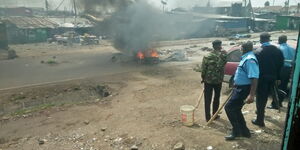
column 257, row 73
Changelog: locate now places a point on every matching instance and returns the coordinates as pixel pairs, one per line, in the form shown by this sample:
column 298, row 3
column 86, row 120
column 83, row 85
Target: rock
column 103, row 129
column 11, row 54
column 41, row 141
column 258, row 131
column 179, row 146
column 86, row 122
column 209, row 148
column 245, row 112
column 134, row 147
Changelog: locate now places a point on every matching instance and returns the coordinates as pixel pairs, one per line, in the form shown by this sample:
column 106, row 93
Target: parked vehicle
column 233, row 59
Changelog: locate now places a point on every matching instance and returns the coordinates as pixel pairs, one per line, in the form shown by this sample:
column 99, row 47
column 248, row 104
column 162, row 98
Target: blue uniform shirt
column 288, row 53
column 266, row 44
column 247, row 69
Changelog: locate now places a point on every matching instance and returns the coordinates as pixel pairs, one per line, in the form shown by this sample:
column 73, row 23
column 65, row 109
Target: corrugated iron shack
column 28, row 29
column 287, row 22
column 3, row 36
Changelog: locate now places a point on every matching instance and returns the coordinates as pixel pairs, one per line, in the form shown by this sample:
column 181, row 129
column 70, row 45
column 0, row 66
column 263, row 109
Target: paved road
column 25, row 71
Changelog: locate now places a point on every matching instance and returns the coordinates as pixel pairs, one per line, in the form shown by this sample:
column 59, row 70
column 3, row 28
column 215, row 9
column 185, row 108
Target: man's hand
column 250, row 99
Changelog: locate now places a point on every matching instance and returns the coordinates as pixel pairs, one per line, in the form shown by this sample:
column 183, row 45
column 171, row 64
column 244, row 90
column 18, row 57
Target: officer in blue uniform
column 245, row 82
column 270, row 60
column 288, row 54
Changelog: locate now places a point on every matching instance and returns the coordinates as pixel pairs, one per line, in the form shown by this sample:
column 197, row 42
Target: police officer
column 245, row 82
column 288, row 54
column 270, row 60
column 212, row 73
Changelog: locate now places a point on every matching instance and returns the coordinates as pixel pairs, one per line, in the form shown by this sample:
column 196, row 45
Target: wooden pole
column 199, row 99
column 220, row 108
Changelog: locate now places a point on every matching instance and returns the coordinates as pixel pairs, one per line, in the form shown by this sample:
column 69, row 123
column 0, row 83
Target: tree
column 267, row 3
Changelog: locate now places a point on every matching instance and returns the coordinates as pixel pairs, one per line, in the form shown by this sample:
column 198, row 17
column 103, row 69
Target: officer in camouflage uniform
column 212, row 73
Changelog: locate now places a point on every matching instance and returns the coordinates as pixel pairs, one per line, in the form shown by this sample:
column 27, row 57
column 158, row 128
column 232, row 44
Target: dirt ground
column 141, row 110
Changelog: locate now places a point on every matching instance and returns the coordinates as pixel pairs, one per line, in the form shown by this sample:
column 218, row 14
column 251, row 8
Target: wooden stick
column 199, row 99
column 220, row 108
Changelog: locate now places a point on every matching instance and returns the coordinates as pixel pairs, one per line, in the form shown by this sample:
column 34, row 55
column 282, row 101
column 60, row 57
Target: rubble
column 7, row 54
column 103, row 129
column 102, row 90
column 209, row 148
column 134, row 147
column 42, row 141
column 178, row 55
column 11, row 54
column 179, row 146
column 206, row 49
column 86, row 122
column 258, row 131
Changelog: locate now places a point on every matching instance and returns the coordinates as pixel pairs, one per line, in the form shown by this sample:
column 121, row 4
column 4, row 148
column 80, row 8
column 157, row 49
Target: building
column 3, row 36
column 18, row 11
column 79, row 25
column 28, row 29
column 287, row 22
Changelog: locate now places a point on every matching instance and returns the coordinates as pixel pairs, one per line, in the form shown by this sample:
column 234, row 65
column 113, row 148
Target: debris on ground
column 245, row 112
column 258, row 131
column 239, row 36
column 179, row 146
column 86, row 122
column 11, row 54
column 102, row 90
column 8, row 54
column 41, row 141
column 206, row 49
column 209, row 147
column 134, row 147
column 178, row 55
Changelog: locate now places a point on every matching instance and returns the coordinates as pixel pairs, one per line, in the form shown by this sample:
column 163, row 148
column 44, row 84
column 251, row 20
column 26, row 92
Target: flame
column 154, row 54
column 140, row 55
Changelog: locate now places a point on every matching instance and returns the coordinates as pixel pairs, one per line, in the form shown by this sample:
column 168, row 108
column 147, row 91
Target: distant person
column 245, row 83
column 289, row 54
column 270, row 60
column 212, row 73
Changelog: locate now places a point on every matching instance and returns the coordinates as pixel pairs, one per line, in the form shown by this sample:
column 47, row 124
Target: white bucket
column 187, row 115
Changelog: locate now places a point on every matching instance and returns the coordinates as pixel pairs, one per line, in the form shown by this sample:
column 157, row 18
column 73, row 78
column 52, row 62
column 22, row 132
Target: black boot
column 255, row 122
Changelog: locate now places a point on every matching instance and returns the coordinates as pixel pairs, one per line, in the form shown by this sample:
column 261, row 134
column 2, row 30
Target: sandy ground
column 142, row 109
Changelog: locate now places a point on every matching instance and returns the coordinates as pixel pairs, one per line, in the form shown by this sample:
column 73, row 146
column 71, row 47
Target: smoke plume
column 137, row 25
column 103, row 6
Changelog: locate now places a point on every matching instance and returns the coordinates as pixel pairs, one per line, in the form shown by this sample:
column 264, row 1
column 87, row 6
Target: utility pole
column 75, row 12
column 287, row 5
column 75, row 9
column 46, row 7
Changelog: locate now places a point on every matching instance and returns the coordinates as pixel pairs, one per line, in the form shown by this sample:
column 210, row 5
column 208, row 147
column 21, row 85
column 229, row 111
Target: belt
column 241, row 86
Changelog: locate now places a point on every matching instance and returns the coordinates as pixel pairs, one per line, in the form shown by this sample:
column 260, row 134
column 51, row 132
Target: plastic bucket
column 187, row 115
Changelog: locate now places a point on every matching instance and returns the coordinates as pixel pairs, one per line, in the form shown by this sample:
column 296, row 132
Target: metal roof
column 30, row 22
column 71, row 22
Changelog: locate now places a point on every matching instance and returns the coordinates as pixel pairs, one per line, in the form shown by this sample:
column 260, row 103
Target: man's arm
column 252, row 91
column 203, row 68
column 253, row 74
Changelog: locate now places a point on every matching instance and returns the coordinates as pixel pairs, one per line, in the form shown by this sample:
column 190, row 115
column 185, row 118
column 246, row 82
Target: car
column 233, row 58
